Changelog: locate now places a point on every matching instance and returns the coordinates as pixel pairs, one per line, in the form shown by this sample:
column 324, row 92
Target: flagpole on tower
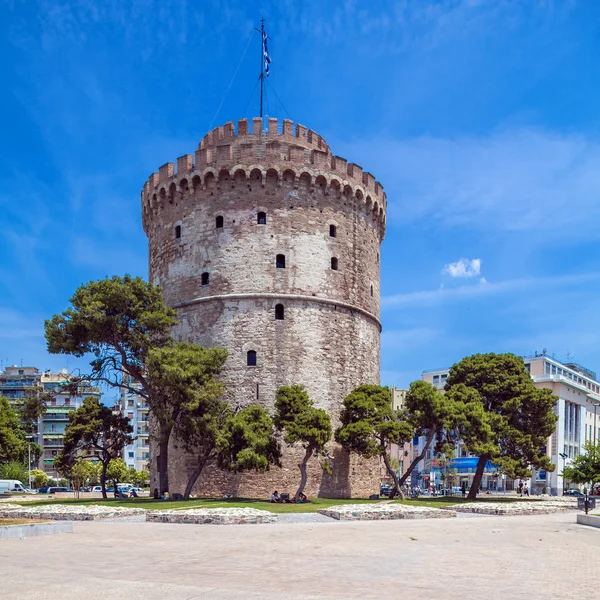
column 265, row 59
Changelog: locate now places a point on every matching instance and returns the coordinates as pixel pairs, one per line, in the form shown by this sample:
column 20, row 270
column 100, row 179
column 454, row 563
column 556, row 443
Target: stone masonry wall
column 328, row 340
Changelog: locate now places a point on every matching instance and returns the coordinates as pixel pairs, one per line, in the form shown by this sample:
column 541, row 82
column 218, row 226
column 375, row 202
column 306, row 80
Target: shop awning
column 469, row 465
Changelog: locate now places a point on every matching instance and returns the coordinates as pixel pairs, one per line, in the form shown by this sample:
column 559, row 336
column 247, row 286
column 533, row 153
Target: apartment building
column 136, row 410
column 578, row 410
column 50, row 430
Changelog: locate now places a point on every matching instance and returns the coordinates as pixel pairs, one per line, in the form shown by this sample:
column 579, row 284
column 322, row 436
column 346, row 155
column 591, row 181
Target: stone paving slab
column 212, row 516
column 514, row 508
column 539, row 557
column 63, row 512
column 372, row 512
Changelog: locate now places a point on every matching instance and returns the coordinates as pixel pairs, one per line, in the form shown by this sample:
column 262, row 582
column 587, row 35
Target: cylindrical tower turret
column 268, row 245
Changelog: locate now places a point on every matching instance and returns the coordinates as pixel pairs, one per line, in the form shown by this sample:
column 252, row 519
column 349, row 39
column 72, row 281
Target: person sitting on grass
column 302, row 499
column 275, row 497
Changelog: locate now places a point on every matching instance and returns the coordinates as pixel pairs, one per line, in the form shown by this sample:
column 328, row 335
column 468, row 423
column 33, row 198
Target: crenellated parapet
column 283, row 156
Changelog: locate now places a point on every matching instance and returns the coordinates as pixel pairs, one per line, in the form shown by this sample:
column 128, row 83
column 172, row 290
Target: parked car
column 572, row 493
column 53, row 490
column 44, row 489
column 96, row 488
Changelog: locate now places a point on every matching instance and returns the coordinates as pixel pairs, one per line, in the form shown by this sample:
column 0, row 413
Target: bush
column 15, row 470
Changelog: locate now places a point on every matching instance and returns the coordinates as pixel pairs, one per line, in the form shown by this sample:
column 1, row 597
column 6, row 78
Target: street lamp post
column 29, row 458
column 564, row 457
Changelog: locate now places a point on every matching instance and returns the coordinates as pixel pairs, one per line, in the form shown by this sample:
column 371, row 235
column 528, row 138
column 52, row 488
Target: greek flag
column 266, row 54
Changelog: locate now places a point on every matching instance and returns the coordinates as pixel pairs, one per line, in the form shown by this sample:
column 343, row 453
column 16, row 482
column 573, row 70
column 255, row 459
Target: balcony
column 55, row 417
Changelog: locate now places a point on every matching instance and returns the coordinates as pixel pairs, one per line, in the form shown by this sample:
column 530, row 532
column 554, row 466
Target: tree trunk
column 103, row 478
column 195, row 474
column 477, row 479
column 303, row 472
column 392, row 473
column 415, row 462
column 163, row 461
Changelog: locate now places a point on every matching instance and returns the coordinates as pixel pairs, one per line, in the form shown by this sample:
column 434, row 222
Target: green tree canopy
column 12, row 437
column 82, row 472
column 369, row 425
column 32, row 406
column 15, row 470
column 507, row 419
column 39, row 478
column 116, row 472
column 303, row 424
column 247, row 441
column 181, row 379
column 117, row 320
column 94, row 428
column 234, row 441
column 433, row 415
column 585, row 467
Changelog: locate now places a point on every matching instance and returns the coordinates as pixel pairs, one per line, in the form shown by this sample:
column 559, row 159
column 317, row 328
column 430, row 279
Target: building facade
column 268, row 245
column 578, row 411
column 50, row 430
column 136, row 410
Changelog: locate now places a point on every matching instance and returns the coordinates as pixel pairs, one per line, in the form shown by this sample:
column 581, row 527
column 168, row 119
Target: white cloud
column 463, row 268
column 484, row 287
column 532, row 180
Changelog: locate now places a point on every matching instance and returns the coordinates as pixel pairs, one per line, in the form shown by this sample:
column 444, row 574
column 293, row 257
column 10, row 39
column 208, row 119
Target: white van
column 13, row 485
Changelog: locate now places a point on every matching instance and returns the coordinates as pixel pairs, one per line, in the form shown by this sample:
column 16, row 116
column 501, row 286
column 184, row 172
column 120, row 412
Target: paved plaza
column 533, row 557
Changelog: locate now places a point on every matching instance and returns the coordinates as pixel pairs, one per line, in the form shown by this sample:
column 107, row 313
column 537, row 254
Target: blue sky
column 480, row 118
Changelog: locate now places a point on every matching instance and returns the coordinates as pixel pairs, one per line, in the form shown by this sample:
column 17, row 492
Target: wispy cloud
column 485, row 288
column 463, row 268
column 512, row 180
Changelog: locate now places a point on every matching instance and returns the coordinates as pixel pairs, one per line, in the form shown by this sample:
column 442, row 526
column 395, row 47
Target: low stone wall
column 34, row 529
column 212, row 516
column 373, row 512
column 591, row 520
column 63, row 512
column 513, row 508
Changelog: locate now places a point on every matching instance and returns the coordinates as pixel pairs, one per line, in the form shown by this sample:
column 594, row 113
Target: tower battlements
column 283, row 155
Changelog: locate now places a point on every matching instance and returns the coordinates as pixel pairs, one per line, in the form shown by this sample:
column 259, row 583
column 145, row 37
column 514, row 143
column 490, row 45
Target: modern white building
column 136, row 410
column 578, row 410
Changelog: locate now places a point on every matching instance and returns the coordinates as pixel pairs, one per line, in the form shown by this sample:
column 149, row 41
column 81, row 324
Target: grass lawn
column 312, row 505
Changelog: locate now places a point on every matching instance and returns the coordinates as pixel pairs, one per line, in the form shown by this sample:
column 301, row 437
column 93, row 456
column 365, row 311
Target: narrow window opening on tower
column 219, row 221
column 261, row 218
column 333, row 231
column 205, row 278
column 257, row 394
column 280, row 261
column 371, row 290
column 334, row 263
column 251, row 358
column 378, row 257
column 279, row 312
column 177, row 232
